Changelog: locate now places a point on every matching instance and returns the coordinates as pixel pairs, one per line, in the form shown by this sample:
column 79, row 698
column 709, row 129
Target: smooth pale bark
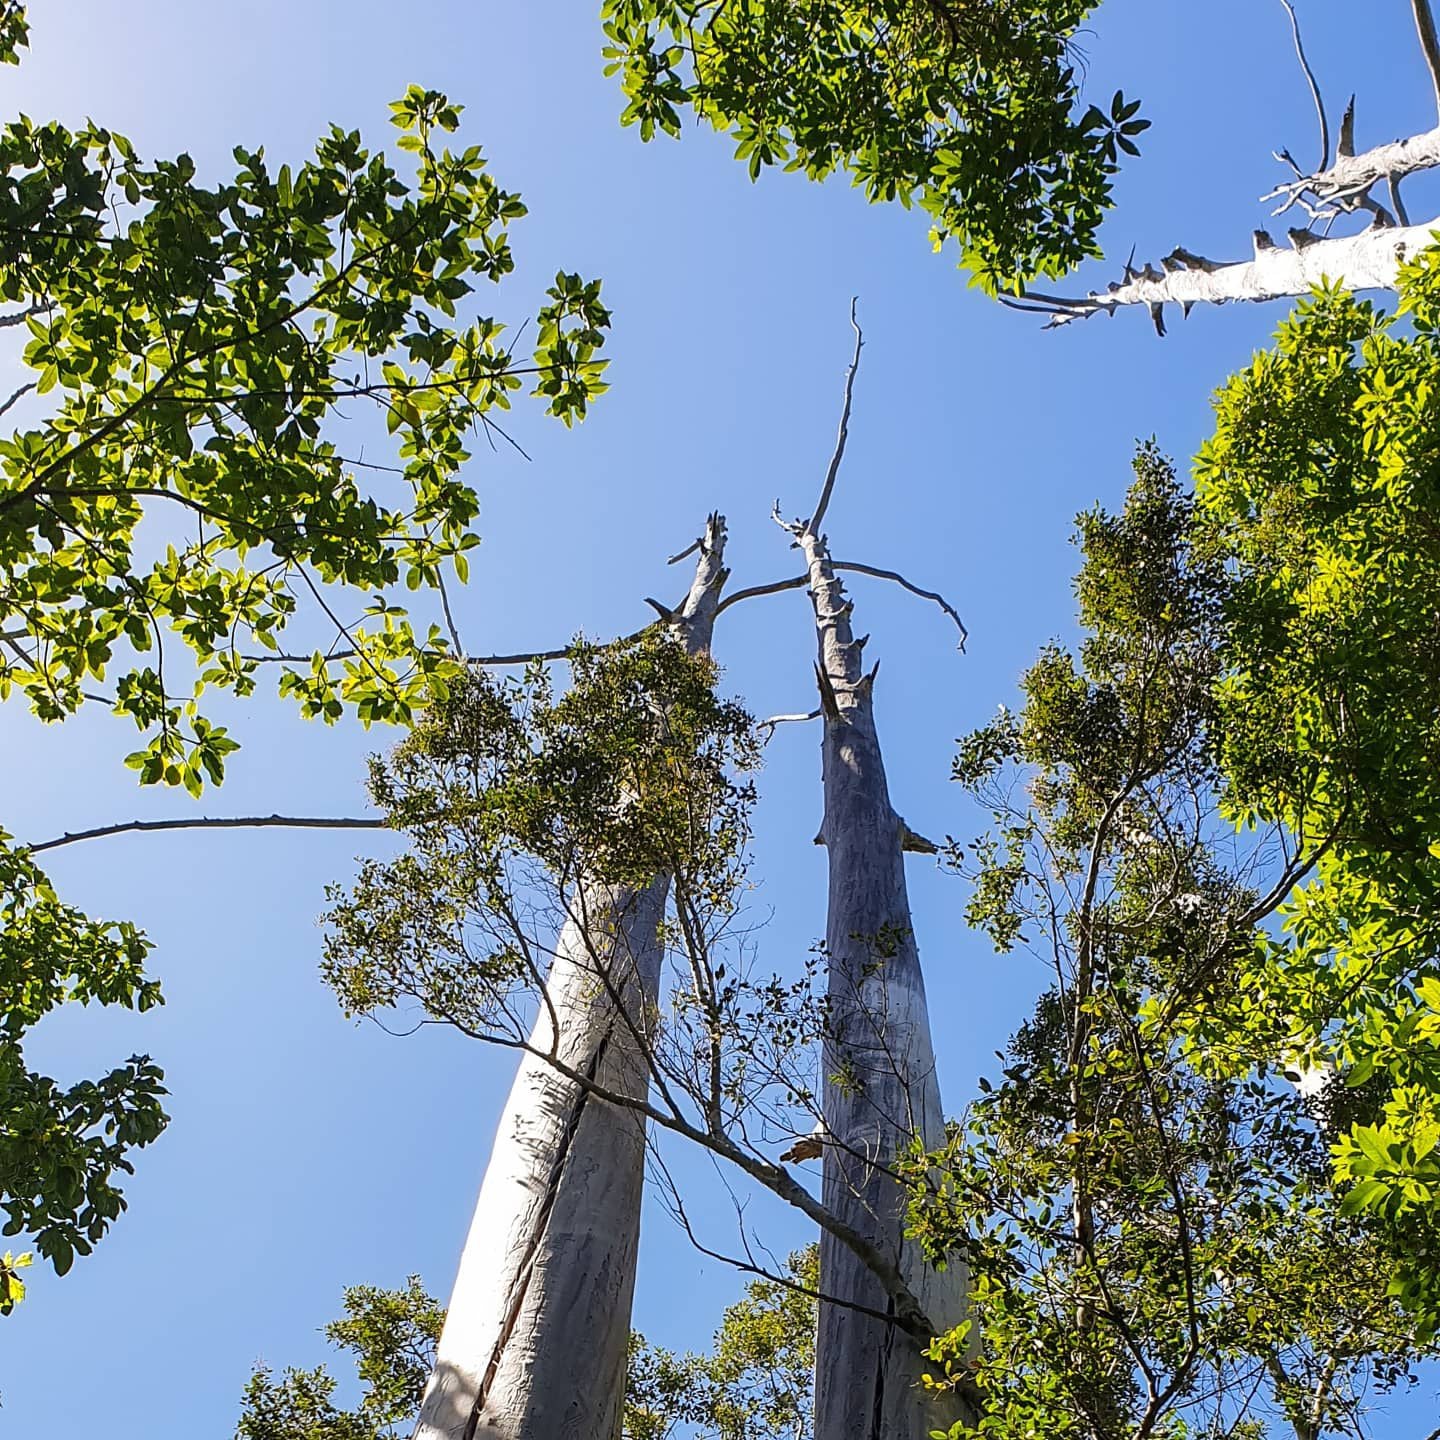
column 1368, row 261
column 868, row 1372
column 535, row 1338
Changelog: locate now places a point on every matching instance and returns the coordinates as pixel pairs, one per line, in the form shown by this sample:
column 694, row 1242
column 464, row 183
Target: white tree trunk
column 535, row 1339
column 881, row 1089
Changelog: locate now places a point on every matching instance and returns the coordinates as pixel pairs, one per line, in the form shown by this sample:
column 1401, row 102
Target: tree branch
column 1429, row 43
column 814, row 522
column 1314, row 84
column 900, row 580
column 1368, row 261
column 799, row 582
column 204, row 822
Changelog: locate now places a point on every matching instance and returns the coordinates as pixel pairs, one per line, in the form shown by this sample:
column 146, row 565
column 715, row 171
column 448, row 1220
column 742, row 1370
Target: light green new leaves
column 1321, row 485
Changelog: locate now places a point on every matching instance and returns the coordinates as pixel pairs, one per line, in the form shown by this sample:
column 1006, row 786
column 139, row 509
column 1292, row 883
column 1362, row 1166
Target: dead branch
column 1429, row 43
column 815, row 521
column 1368, row 261
column 1314, row 84
column 769, row 725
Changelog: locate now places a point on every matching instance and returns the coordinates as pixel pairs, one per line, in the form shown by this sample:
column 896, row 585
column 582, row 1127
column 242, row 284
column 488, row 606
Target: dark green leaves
column 63, row 1147
column 196, row 348
column 970, row 110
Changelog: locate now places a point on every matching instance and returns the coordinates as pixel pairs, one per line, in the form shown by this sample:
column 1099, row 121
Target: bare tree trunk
column 535, row 1339
column 881, row 1090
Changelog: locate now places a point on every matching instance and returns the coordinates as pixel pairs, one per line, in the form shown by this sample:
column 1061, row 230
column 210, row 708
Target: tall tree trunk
column 535, row 1338
column 880, row 1089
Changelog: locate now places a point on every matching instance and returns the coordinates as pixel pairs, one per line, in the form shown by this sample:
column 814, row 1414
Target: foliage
column 510, row 791
column 63, row 1148
column 198, row 345
column 1321, row 486
column 969, row 107
column 188, row 348
column 392, row 1335
column 756, row 1384
column 1156, row 1242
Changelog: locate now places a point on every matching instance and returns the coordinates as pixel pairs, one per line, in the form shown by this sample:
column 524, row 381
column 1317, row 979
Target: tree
column 1147, row 1204
column 881, row 1095
column 1341, row 186
column 755, row 1384
column 973, row 111
column 391, row 1334
column 1319, row 485
column 535, row 1342
column 514, row 797
column 181, row 484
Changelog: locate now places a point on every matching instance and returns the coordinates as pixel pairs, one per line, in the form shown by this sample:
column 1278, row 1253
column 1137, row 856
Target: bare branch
column 900, row 580
column 1314, row 84
column 1368, row 261
column 449, row 618
column 797, row 582
column 815, row 521
column 770, row 724
column 205, row 822
column 1429, row 43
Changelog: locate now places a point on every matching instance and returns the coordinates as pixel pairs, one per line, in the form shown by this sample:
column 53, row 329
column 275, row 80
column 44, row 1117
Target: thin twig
column 798, row 582
column 1315, row 84
column 814, row 522
column 205, row 822
column 1429, row 42
column 449, row 618
column 24, row 390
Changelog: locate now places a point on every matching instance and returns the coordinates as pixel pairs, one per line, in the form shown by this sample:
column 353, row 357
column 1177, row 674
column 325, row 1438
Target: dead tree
column 1338, row 188
column 535, row 1337
column 881, row 1092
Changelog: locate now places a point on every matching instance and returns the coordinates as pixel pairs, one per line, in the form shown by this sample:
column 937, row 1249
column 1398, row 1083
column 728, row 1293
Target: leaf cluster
column 969, row 108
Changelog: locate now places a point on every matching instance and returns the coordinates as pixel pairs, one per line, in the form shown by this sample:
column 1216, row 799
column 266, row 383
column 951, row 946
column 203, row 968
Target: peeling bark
column 535, row 1339
column 868, row 1372
column 1368, row 261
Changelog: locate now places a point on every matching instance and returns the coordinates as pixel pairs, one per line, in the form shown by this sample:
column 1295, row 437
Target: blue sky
column 306, row 1153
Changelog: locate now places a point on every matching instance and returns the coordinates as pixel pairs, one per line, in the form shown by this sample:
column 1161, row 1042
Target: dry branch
column 1368, row 261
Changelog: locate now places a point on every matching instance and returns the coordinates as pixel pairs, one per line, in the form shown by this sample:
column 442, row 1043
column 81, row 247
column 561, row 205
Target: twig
column 204, row 822
column 775, row 720
column 1429, row 42
column 814, row 522
column 689, row 550
column 449, row 618
column 25, row 389
column 19, row 317
column 1315, row 84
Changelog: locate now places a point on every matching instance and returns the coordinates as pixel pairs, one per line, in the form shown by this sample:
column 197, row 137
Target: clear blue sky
column 306, row 1153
